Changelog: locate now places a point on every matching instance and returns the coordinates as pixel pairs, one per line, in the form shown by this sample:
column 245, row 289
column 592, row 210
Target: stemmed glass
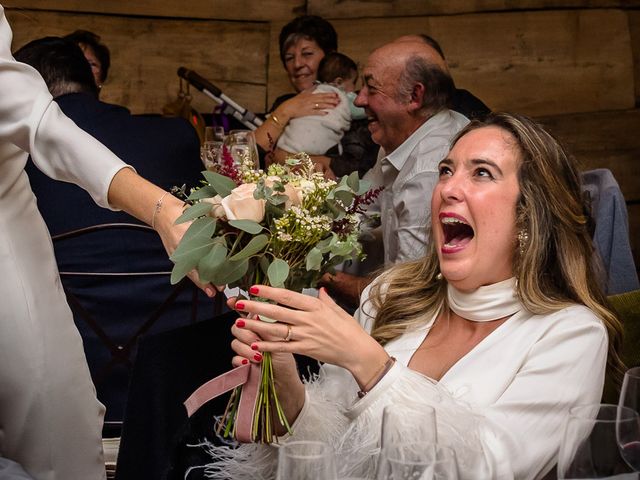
column 212, row 147
column 241, row 144
column 306, row 460
column 408, row 446
column 630, row 398
column 589, row 447
column 417, row 461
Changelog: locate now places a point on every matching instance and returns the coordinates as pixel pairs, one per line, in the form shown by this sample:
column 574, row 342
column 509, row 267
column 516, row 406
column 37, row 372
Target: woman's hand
column 171, row 234
column 284, row 365
column 307, row 103
column 315, row 327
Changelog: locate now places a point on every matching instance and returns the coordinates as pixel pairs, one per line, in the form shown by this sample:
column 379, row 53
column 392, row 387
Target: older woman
column 303, row 43
column 501, row 327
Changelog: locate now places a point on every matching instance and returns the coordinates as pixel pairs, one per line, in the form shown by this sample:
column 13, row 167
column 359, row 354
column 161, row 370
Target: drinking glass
column 589, row 447
column 241, row 145
column 630, row 397
column 306, row 460
column 212, row 147
column 417, row 461
column 403, row 423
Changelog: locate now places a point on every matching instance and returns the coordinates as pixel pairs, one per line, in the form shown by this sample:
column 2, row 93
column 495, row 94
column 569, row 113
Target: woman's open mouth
column 457, row 232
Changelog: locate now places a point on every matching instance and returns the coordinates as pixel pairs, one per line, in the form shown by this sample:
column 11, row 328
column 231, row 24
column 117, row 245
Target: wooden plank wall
column 574, row 64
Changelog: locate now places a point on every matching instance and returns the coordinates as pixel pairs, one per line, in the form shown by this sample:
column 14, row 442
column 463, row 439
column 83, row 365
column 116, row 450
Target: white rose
column 307, row 186
column 240, row 204
column 216, row 206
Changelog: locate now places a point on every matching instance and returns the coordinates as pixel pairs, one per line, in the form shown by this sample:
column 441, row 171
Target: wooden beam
column 537, row 63
column 335, row 9
column 146, row 53
column 634, row 31
column 243, row 10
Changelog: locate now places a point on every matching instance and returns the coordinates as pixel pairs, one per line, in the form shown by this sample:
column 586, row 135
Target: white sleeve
column 32, row 121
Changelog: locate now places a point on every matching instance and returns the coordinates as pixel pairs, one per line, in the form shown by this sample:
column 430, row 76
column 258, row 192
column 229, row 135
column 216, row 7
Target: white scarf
column 487, row 303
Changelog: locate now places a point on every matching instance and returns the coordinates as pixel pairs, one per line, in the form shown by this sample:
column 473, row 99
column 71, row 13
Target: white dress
column 501, row 407
column 50, row 419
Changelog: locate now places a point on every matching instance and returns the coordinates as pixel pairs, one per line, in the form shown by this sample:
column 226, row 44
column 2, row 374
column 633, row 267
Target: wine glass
column 306, row 460
column 241, row 145
column 403, row 423
column 212, row 147
column 630, row 397
column 417, row 461
column 589, row 447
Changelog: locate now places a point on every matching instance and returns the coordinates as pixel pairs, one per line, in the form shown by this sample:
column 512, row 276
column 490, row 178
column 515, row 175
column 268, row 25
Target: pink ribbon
column 246, row 375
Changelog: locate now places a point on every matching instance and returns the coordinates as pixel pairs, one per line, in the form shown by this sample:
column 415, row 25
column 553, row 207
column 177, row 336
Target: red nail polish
column 239, row 305
column 240, row 323
column 245, row 361
column 254, row 346
column 257, row 357
column 254, row 290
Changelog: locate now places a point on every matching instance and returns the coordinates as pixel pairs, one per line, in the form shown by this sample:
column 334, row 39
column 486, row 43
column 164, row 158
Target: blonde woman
column 502, row 327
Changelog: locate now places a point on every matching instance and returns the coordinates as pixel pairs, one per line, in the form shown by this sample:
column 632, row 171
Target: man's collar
column 399, row 156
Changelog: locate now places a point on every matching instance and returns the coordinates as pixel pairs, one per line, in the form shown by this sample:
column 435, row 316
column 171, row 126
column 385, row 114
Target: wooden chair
column 114, row 301
column 627, row 307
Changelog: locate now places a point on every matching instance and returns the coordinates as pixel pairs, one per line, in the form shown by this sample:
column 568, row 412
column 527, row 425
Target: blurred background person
column 163, row 150
column 96, row 53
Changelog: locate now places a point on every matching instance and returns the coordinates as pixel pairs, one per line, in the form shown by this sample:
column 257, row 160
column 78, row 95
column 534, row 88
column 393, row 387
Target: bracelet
column 377, row 377
column 157, row 209
column 276, row 121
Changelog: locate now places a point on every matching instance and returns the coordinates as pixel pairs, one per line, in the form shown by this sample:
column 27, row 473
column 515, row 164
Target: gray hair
column 438, row 84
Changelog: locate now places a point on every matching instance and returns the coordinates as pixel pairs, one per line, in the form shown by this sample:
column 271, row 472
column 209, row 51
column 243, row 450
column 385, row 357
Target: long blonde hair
column 557, row 265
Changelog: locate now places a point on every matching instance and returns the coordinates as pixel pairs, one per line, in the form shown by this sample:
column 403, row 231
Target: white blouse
column 501, row 407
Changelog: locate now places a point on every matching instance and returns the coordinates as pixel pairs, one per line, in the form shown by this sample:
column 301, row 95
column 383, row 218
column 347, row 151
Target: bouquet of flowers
column 283, row 227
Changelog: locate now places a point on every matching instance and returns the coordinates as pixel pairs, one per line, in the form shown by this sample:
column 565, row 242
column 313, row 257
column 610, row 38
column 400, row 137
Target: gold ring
column 316, row 106
column 289, row 334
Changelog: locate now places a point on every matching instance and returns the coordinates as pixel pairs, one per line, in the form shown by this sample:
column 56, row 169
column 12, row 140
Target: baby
column 315, row 134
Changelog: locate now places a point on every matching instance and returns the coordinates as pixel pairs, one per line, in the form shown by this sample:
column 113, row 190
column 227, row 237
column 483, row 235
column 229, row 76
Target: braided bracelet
column 157, row 209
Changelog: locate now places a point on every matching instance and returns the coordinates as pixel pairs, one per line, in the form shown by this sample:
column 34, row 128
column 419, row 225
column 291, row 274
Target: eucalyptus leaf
column 221, row 184
column 353, row 181
column 196, row 246
column 278, row 272
column 205, row 192
column 346, row 197
column 254, row 246
column 325, row 245
column 277, row 199
column 180, row 271
column 337, row 212
column 365, row 186
column 208, row 265
column 230, row 272
column 264, row 264
column 202, row 227
column 248, row 226
column 194, row 211
column 314, row 259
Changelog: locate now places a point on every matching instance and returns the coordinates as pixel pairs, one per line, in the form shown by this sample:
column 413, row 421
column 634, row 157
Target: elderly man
column 406, row 93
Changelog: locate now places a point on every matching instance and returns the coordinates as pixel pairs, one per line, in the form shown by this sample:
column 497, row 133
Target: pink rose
column 294, row 193
column 216, row 206
column 240, row 204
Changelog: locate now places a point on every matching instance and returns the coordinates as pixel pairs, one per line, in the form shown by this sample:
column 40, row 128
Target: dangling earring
column 523, row 239
column 439, row 276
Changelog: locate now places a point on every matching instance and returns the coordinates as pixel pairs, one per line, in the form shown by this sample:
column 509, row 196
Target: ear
column 338, row 81
column 417, row 97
